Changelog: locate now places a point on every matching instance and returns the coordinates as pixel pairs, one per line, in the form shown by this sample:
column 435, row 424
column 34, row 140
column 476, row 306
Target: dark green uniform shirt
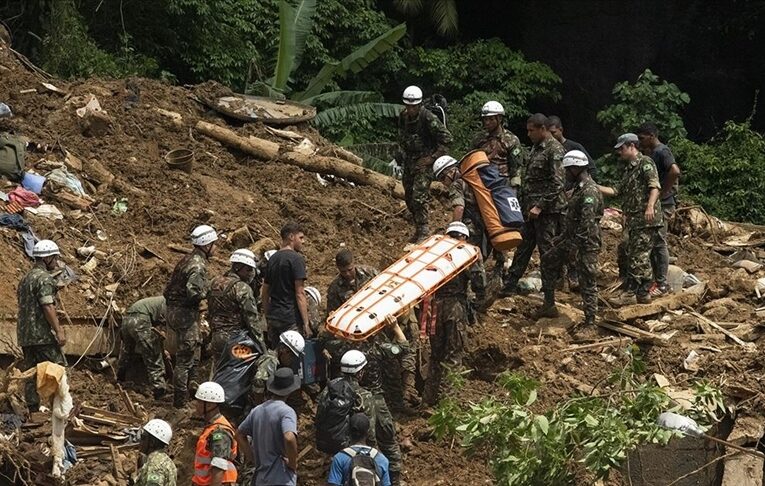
column 36, row 289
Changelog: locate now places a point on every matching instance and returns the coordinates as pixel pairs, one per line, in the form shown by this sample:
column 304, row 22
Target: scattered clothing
column 14, row 221
column 24, row 198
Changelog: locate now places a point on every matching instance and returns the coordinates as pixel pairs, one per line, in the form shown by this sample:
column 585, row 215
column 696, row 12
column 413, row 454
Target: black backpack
column 437, row 105
column 363, row 470
column 333, row 414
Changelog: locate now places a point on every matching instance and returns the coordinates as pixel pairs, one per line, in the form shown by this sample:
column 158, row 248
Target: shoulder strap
column 373, row 453
column 350, row 451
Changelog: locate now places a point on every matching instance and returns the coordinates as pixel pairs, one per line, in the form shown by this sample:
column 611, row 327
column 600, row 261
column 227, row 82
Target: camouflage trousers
column 446, row 347
column 537, row 232
column 183, row 325
column 660, row 250
column 385, row 433
column 140, row 341
column 32, row 356
column 275, row 327
column 478, row 279
column 416, row 184
column 586, row 265
column 634, row 257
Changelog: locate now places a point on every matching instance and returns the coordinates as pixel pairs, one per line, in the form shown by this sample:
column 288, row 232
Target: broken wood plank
column 126, row 400
column 305, row 451
column 633, row 332
column 617, row 341
column 119, row 474
column 118, row 417
column 689, row 296
column 99, row 420
column 733, row 337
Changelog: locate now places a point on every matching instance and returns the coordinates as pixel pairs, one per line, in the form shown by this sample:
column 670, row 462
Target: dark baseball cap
column 627, row 137
column 359, row 424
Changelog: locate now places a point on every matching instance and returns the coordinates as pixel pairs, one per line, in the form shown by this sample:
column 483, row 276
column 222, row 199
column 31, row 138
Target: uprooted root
column 14, row 468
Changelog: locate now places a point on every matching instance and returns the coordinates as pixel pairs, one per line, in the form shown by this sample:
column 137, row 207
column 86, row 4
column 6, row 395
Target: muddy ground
column 230, row 190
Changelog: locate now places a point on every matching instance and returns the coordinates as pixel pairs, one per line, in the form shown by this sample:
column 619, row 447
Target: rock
column 95, row 123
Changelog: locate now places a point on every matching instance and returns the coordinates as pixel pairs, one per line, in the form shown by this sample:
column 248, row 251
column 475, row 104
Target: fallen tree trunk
column 346, row 170
column 257, row 147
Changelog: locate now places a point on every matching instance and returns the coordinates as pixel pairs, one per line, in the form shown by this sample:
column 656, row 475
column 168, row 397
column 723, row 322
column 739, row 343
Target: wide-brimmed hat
column 283, row 382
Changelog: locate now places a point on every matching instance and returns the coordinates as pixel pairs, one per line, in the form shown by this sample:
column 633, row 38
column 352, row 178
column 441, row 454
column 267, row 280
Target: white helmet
column 267, row 255
column 442, row 163
column 203, row 235
column 294, row 341
column 412, row 95
column 45, row 248
column 353, row 361
column 314, row 293
column 575, row 158
column 245, row 257
column 492, row 108
column 160, row 430
column 210, row 392
column 458, row 227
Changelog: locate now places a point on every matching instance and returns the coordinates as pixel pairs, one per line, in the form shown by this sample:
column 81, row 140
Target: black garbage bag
column 236, row 366
column 333, row 413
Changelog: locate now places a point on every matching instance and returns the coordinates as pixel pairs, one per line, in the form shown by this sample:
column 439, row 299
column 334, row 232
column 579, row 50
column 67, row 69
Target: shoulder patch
column 218, row 435
column 516, row 151
column 589, row 200
column 646, row 167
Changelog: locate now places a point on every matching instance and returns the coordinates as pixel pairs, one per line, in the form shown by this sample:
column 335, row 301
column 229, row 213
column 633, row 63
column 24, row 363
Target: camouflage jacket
column 266, row 367
column 382, row 355
column 341, row 290
column 231, row 305
column 640, row 176
column 421, row 136
column 188, row 283
column 544, row 177
column 456, row 287
column 461, row 194
column 151, row 308
column 504, row 149
column 36, row 289
column 585, row 209
column 158, row 470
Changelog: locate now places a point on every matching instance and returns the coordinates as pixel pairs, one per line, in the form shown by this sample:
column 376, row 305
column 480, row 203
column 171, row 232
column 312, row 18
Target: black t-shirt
column 284, row 267
column 570, row 145
column 664, row 160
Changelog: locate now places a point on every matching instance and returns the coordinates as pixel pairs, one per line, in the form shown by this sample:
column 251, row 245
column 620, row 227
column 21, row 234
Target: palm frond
column 295, row 24
column 303, row 26
column 445, row 17
column 354, row 62
column 409, row 7
column 335, row 98
column 341, row 114
column 382, row 151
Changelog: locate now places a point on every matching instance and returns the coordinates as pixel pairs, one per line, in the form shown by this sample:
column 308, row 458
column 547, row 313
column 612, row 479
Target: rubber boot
column 548, row 309
column 395, row 478
column 410, row 390
column 423, row 231
column 158, row 393
column 510, row 287
column 589, row 320
column 179, row 399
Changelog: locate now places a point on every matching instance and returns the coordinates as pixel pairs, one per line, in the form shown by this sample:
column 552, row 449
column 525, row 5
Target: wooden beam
column 78, row 336
column 617, row 341
column 671, row 302
column 733, row 337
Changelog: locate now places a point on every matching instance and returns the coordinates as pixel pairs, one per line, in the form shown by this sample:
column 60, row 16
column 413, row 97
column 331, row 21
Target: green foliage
column 727, row 174
column 294, row 26
column 649, row 99
column 442, row 14
column 596, row 432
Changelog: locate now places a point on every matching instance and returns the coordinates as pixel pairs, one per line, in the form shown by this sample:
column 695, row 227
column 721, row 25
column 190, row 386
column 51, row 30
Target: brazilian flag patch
column 516, row 151
column 589, row 200
column 646, row 167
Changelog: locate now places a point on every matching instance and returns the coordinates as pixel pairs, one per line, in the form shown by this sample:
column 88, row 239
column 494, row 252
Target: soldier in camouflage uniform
column 188, row 286
column 38, row 330
column 543, row 202
column 157, row 469
column 450, row 303
column 502, row 147
column 313, row 296
column 290, row 347
column 379, row 351
column 231, row 305
column 423, row 138
column 400, row 382
column 141, row 336
column 639, row 188
column 581, row 232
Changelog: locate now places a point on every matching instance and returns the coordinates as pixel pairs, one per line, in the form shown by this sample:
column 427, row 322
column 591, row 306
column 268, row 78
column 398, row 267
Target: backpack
column 12, row 150
column 333, row 414
column 437, row 105
column 363, row 470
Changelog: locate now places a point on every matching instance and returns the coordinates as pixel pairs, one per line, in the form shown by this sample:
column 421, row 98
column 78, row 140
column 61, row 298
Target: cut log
column 257, row 147
column 346, row 170
column 633, row 332
column 689, row 296
column 339, row 152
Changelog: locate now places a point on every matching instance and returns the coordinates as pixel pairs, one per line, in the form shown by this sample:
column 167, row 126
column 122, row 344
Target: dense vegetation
column 349, row 58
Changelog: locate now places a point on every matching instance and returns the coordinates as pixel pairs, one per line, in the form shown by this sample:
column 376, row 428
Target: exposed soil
column 231, row 190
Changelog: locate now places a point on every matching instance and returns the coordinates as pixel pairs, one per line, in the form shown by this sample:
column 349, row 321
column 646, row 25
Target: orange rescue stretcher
column 417, row 274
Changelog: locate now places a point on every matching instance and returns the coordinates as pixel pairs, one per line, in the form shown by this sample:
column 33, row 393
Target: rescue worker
column 157, row 469
column 639, row 188
column 231, row 305
column 216, row 447
column 465, row 210
column 542, row 202
column 38, row 331
column 379, row 351
column 581, row 232
column 313, row 296
column 142, row 335
column 350, row 278
column 423, row 138
column 290, row 347
column 450, row 302
column 502, row 147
